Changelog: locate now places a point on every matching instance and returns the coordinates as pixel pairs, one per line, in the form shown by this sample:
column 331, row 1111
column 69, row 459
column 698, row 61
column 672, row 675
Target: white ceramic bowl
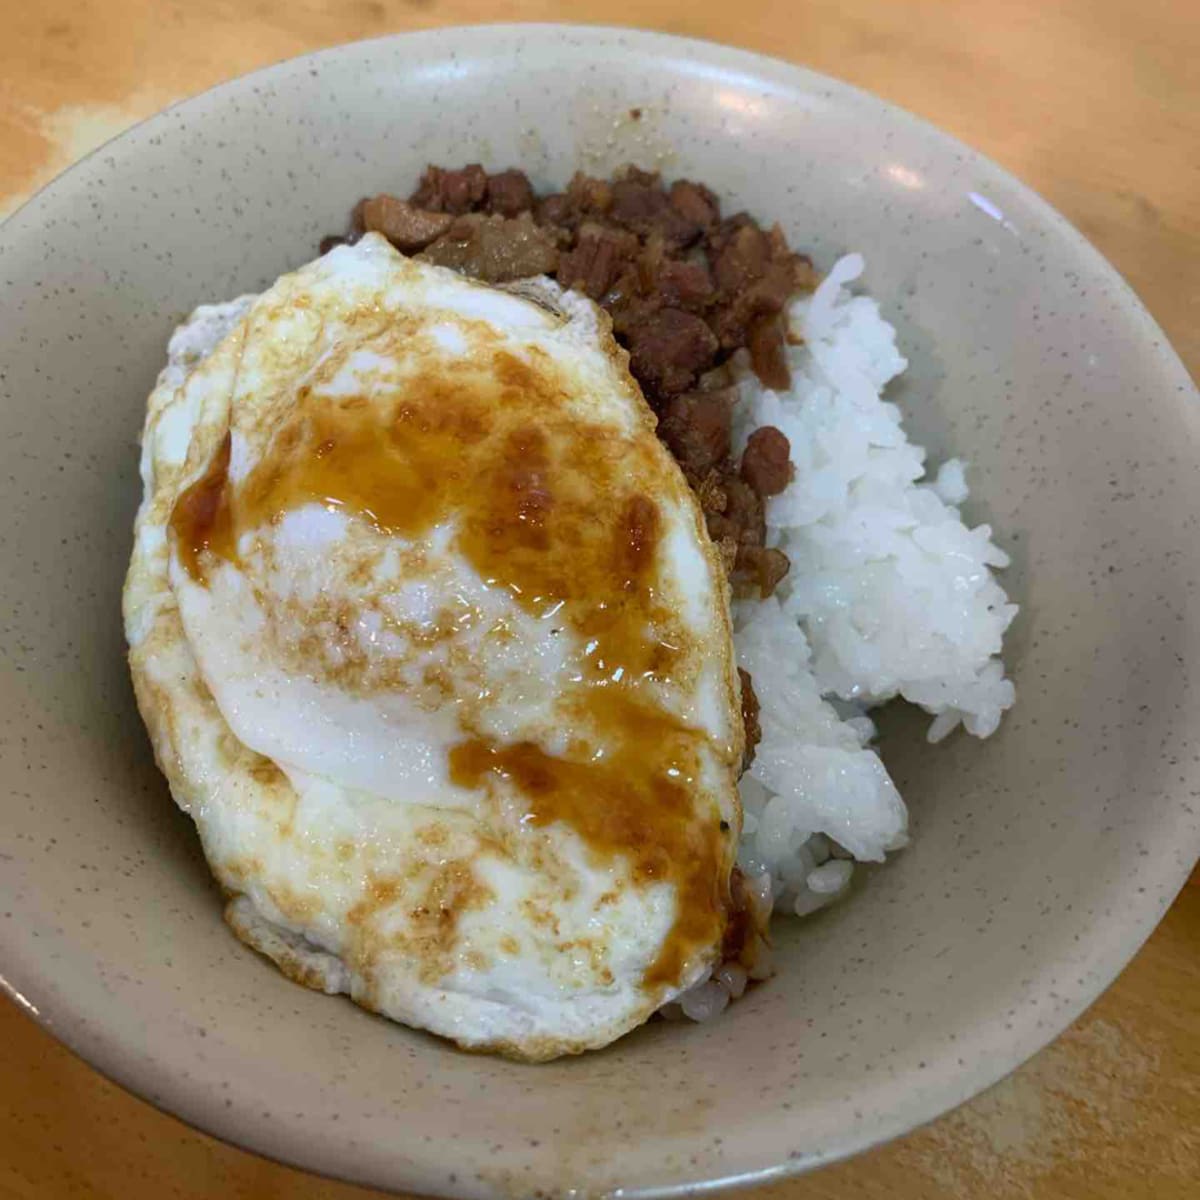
column 1040, row 859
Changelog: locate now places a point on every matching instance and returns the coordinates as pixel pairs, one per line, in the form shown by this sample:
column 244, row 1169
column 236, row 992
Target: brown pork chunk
column 640, row 204
column 556, row 211
column 695, row 428
column 509, row 193
column 767, row 343
column 767, row 462
column 409, row 229
column 669, row 350
column 696, row 203
column 586, row 199
column 671, row 282
column 734, row 318
column 495, row 249
column 590, row 197
column 745, row 509
column 736, row 516
column 684, row 283
column 597, row 260
column 759, row 569
column 750, row 714
column 741, row 252
column 756, row 274
column 737, row 525
column 452, row 191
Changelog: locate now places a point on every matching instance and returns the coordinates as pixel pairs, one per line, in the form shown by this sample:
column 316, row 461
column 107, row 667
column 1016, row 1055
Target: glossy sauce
column 556, row 511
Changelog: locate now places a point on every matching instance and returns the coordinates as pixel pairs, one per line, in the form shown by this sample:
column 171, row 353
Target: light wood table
column 1096, row 104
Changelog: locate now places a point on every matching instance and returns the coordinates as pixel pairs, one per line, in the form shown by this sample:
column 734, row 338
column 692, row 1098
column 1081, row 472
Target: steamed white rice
column 889, row 594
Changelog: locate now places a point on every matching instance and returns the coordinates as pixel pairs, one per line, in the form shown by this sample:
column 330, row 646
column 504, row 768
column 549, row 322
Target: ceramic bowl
column 1040, row 859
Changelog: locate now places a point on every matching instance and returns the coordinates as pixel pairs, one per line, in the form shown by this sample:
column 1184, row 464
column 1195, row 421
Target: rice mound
column 889, row 594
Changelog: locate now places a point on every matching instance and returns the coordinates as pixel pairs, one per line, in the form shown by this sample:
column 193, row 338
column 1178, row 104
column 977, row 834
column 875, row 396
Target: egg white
column 324, row 806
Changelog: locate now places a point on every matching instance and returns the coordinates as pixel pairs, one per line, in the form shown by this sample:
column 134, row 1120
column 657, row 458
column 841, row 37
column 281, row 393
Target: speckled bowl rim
column 1175, row 846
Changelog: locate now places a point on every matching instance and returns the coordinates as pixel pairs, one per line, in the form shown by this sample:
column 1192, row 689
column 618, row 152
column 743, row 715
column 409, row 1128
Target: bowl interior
column 1040, row 859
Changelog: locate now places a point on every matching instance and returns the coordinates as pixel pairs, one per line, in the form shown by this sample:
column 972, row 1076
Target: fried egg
column 434, row 649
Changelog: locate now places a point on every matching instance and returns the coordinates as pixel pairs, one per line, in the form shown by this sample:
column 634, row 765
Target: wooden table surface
column 1096, row 104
